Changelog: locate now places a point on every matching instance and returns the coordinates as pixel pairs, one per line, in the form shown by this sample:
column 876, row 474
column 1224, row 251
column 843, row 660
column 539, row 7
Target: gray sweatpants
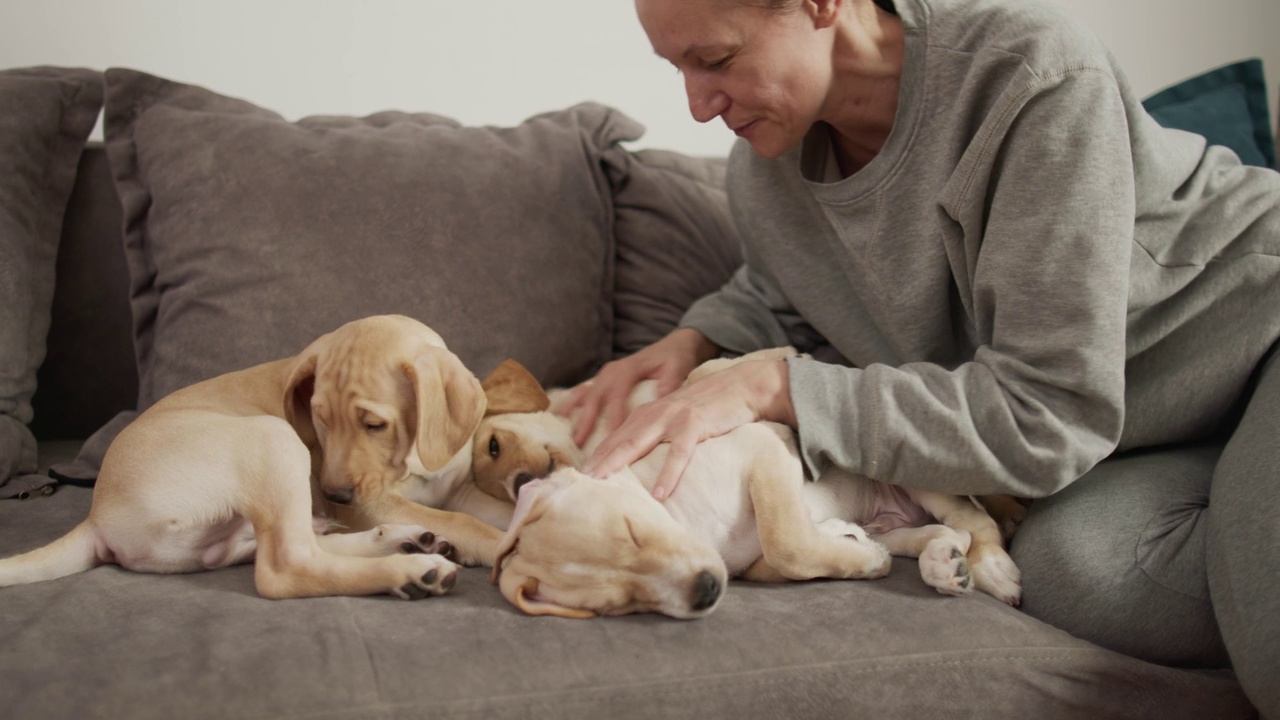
column 1171, row 555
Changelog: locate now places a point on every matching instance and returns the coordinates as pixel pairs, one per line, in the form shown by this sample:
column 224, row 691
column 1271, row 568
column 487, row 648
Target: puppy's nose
column 521, row 480
column 706, row 591
column 342, row 496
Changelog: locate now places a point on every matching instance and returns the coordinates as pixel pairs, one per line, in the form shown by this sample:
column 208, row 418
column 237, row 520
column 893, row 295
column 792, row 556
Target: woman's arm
column 749, row 313
column 1044, row 206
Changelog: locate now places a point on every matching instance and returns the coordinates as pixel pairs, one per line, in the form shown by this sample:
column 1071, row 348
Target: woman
column 965, row 200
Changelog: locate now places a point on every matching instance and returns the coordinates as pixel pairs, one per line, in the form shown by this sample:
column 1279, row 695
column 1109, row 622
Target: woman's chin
column 767, row 145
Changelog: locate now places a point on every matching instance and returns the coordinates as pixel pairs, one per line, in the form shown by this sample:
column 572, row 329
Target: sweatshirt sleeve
column 1044, row 201
column 749, row 313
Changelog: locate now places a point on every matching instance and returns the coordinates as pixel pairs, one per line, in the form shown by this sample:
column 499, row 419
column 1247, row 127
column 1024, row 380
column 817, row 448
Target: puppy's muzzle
column 525, row 478
column 341, row 496
column 706, row 591
column 521, row 480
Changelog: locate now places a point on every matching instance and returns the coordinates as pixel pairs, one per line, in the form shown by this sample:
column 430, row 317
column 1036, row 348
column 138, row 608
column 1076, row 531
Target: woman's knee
column 1118, row 558
column 1243, row 531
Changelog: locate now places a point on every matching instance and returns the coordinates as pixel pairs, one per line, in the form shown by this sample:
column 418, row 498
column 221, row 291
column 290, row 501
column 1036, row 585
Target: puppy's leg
column 474, row 541
column 793, row 546
column 385, row 540
column 942, row 555
column 761, row 571
column 290, row 562
column 1006, row 510
column 843, row 531
column 993, row 570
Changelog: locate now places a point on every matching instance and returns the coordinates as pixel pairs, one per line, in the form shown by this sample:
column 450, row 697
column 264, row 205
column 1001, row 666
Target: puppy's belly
column 713, row 502
column 734, row 536
column 173, row 546
column 878, row 507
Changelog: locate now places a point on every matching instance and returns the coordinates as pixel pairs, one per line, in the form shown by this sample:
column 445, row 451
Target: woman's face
column 765, row 72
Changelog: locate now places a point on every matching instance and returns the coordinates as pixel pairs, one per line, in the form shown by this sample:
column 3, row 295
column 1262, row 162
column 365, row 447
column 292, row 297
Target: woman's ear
column 825, row 12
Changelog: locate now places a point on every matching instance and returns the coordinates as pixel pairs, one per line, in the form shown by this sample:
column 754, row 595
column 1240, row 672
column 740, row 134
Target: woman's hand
column 667, row 361
column 742, row 393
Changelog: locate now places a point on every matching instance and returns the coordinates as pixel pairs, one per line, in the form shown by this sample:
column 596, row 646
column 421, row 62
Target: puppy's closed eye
column 372, row 423
column 632, row 531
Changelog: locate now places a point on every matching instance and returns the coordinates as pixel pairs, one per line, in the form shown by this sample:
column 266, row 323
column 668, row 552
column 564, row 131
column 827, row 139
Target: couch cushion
column 47, row 115
column 675, row 238
column 110, row 643
column 248, row 236
column 1227, row 105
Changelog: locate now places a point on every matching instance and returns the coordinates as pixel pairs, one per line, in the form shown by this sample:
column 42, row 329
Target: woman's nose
column 706, row 101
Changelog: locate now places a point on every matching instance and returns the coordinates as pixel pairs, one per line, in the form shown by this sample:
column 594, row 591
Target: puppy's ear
column 510, row 388
column 524, row 596
column 519, row 588
column 298, row 390
column 528, row 509
column 450, row 405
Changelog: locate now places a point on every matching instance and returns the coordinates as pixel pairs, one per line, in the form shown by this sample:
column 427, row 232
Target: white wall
column 500, row 61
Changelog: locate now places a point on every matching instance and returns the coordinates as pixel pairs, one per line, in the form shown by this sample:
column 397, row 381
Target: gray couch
column 552, row 243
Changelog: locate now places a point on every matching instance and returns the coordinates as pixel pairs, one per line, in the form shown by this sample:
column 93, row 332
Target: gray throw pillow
column 46, row 115
column 248, row 236
column 676, row 240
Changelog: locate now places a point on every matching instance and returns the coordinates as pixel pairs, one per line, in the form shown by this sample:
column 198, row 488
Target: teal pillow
column 1228, row 106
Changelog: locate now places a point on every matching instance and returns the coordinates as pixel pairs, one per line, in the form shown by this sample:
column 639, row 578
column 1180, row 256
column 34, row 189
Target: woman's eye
column 493, row 447
column 718, row 64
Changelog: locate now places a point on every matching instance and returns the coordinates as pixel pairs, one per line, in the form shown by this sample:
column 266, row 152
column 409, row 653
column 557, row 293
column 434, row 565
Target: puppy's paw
column 943, row 564
column 408, row 539
column 995, row 574
column 867, row 558
column 442, row 548
column 424, row 575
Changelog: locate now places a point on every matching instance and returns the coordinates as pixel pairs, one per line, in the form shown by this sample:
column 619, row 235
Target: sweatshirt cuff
column 831, row 430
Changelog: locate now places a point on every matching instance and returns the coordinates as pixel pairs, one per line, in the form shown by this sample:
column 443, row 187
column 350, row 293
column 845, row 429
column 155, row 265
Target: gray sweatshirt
column 1031, row 274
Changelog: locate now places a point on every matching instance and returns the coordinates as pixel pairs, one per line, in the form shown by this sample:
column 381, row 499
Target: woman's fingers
column 604, row 395
column 678, row 456
column 630, row 442
column 585, row 422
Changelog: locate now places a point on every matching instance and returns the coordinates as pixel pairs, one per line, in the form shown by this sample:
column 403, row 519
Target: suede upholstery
column 47, row 114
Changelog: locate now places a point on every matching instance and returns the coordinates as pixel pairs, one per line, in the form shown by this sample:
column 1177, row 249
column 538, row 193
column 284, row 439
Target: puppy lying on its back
column 579, row 546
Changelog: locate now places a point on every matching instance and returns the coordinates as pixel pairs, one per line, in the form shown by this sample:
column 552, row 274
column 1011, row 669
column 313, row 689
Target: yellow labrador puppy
column 578, row 546
column 246, row 466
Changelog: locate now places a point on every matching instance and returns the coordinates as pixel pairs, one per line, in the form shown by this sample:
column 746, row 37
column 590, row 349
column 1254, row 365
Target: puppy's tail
column 72, row 553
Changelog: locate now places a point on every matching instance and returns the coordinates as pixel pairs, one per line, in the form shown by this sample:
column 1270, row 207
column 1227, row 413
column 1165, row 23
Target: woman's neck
column 866, row 73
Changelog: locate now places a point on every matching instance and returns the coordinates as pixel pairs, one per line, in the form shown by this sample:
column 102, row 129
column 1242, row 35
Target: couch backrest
column 666, row 205
column 89, row 372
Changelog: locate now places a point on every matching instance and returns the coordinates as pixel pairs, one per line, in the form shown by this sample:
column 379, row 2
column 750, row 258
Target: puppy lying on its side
column 578, row 546
column 221, row 472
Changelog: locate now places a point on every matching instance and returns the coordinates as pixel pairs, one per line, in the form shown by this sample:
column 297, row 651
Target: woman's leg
column 1243, row 544
column 1118, row 557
